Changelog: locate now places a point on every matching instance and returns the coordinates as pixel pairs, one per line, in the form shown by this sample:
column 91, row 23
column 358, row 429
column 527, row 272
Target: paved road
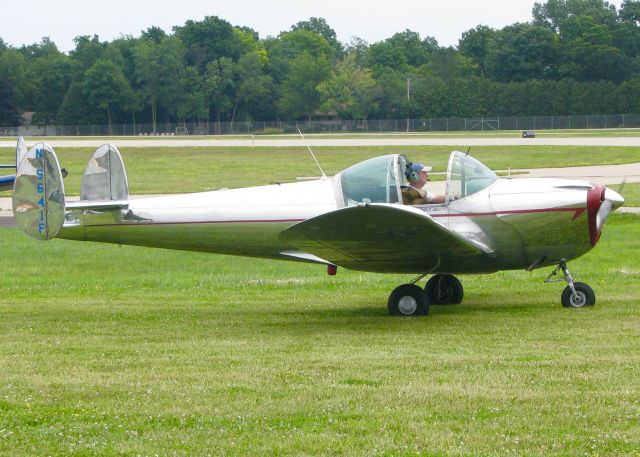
column 399, row 140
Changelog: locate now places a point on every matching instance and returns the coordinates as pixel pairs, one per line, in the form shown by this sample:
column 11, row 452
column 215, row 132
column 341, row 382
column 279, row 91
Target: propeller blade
column 612, row 200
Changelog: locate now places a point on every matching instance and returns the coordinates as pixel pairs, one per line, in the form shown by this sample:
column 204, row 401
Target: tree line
column 573, row 57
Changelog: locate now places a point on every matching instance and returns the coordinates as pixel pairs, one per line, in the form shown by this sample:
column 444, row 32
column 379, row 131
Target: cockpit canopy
column 380, row 180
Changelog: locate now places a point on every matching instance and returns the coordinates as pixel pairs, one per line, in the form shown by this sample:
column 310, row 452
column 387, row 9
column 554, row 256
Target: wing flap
column 380, row 237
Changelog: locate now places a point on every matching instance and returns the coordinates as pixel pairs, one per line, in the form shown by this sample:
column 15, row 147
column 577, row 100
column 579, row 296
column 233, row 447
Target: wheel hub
column 578, row 300
column 444, row 293
column 407, row 305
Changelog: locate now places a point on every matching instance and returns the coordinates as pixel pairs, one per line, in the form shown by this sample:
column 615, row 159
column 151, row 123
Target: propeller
column 610, row 201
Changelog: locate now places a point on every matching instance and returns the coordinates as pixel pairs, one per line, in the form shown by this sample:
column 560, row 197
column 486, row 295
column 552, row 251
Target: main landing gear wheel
column 583, row 296
column 408, row 300
column 444, row 289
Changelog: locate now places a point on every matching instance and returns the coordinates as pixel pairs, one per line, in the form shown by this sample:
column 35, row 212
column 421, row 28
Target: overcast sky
column 27, row 21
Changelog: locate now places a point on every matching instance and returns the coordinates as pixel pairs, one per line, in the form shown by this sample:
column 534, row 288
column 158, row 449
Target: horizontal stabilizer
column 38, row 192
column 379, row 237
column 7, row 181
column 90, row 205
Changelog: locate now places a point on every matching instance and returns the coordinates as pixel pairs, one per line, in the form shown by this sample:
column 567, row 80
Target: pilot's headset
column 412, row 172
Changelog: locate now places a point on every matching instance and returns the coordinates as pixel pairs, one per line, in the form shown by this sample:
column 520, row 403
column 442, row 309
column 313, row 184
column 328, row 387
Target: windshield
column 467, row 176
column 374, row 180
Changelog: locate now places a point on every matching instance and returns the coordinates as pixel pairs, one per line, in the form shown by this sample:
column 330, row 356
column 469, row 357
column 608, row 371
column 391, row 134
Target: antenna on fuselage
column 313, row 155
column 468, row 150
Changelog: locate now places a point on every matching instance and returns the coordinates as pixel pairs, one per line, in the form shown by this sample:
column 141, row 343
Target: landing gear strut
column 576, row 294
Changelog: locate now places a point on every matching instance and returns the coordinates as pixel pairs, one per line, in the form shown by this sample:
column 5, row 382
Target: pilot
column 415, row 193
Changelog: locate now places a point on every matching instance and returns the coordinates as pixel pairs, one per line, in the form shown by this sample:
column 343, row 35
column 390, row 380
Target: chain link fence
column 608, row 121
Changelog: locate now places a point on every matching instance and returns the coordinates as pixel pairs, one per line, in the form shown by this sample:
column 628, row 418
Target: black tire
column 444, row 289
column 585, row 296
column 408, row 300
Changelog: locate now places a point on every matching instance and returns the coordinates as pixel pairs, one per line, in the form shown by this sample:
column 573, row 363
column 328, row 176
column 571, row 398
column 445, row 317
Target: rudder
column 38, row 192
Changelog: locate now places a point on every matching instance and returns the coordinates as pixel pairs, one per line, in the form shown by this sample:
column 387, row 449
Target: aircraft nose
column 614, row 197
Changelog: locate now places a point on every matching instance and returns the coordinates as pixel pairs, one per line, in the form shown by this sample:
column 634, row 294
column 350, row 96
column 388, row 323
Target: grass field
column 173, row 170
column 133, row 351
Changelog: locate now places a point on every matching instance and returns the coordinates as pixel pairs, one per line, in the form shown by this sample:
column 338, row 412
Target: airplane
column 7, row 181
column 355, row 219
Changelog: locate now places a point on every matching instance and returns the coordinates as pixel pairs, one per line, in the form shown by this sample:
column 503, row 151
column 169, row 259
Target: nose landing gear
column 576, row 294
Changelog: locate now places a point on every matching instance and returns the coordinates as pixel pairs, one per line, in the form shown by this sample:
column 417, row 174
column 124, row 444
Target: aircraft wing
column 6, row 182
column 381, row 237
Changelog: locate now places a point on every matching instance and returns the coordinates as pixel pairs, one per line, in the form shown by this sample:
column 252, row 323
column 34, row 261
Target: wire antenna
column 313, row 155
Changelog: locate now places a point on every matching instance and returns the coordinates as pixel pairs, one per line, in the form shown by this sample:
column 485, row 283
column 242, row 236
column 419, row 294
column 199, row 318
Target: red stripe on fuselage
column 265, row 221
column 577, row 211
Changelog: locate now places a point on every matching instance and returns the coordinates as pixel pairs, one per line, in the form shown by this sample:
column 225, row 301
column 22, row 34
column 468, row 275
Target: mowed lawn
column 122, row 350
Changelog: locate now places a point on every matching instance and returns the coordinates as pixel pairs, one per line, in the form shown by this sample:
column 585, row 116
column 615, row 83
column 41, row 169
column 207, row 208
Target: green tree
column 154, row 34
column 14, row 68
column 321, row 27
column 521, row 52
column 219, row 87
column 9, row 116
column 46, row 48
column 358, row 48
column 255, row 90
column 210, row 39
column 300, row 96
column 475, row 44
column 106, row 88
column 88, row 51
column 350, row 90
column 447, row 63
column 589, row 53
column 159, row 69
column 192, row 102
column 404, row 51
column 290, row 45
column 390, row 94
column 52, row 77
column 554, row 14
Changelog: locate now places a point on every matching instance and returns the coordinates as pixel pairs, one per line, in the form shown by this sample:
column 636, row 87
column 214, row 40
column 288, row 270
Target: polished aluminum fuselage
column 523, row 222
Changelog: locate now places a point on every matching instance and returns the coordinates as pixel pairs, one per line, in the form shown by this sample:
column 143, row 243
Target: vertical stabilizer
column 21, row 150
column 104, row 176
column 38, row 192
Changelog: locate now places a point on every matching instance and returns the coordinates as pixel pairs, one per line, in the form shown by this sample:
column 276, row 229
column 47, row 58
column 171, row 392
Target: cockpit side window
column 374, row 180
column 466, row 176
